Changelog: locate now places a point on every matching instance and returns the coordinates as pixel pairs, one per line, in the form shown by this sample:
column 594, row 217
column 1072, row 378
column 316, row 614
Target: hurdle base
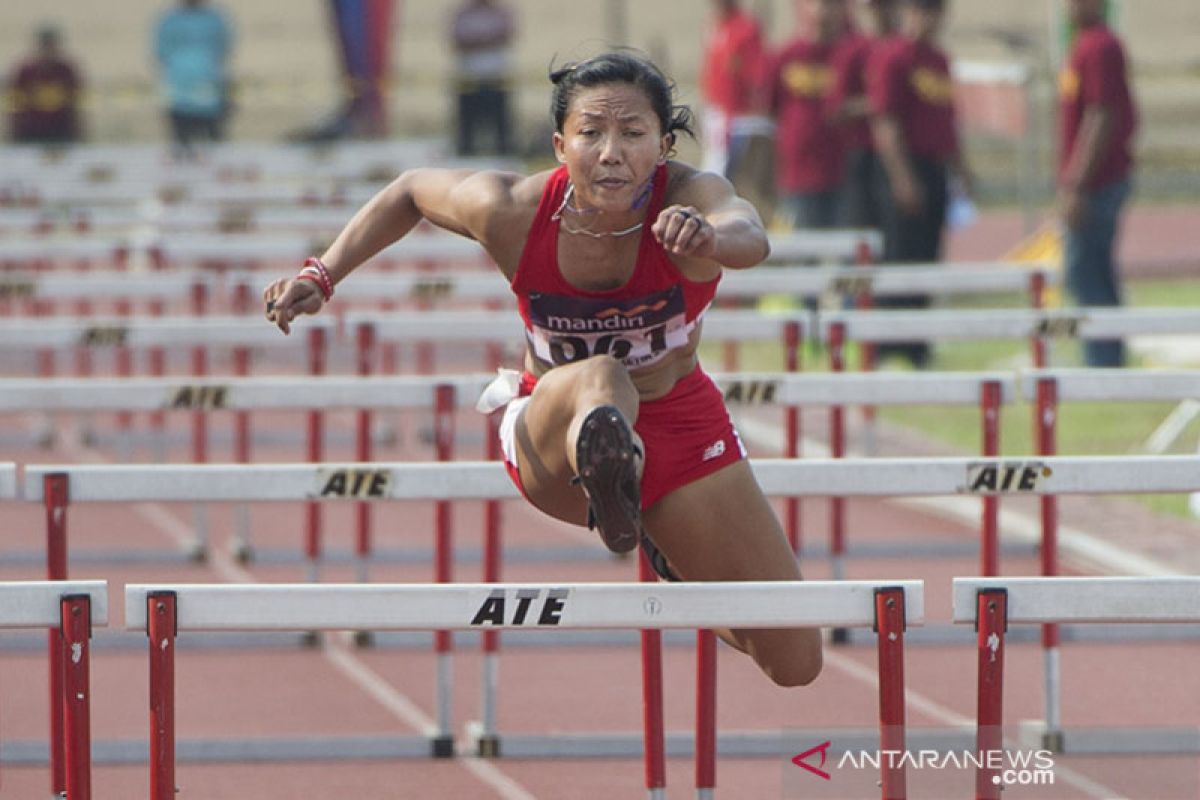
column 235, row 750
column 681, row 744
column 363, row 639
column 1142, row 740
column 241, row 552
column 196, row 552
column 839, row 636
column 441, row 747
column 488, row 746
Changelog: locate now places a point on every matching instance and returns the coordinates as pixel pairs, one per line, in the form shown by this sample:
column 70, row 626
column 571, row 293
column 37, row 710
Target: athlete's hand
column 683, row 231
column 287, row 299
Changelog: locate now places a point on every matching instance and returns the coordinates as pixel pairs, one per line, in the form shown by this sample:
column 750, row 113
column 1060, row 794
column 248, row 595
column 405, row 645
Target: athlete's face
column 611, row 143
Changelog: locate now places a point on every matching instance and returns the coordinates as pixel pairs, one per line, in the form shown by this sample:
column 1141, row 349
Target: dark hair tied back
column 620, row 66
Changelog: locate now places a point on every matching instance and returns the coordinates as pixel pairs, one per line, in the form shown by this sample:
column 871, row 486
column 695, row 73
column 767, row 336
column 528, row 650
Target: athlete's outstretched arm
column 454, row 199
column 709, row 221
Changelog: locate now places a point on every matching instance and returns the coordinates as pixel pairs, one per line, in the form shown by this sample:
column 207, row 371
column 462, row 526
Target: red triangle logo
column 800, row 762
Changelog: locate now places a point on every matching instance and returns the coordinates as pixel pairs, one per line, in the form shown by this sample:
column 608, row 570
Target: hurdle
column 197, row 334
column 993, row 604
column 1046, row 389
column 986, row 390
column 367, row 394
column 241, row 396
column 465, row 480
column 165, row 610
column 70, row 609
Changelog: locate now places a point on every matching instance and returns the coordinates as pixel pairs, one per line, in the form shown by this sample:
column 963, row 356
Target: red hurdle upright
column 991, row 622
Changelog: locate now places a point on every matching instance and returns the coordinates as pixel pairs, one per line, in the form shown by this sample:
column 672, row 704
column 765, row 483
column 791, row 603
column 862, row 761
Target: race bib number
column 636, row 331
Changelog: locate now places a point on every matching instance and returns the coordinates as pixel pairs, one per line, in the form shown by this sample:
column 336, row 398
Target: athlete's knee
column 797, row 664
column 602, row 372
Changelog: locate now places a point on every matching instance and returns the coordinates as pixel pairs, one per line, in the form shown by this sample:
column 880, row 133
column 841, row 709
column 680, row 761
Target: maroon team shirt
column 1095, row 74
column 807, row 149
column 850, row 81
column 45, row 94
column 910, row 82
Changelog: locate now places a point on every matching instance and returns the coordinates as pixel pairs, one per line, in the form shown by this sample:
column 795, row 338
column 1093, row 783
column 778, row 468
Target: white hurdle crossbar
column 1033, row 324
column 71, row 609
column 235, row 394
column 991, row 604
column 164, row 610
column 149, row 332
column 811, row 282
column 106, row 285
column 1115, row 386
column 482, row 480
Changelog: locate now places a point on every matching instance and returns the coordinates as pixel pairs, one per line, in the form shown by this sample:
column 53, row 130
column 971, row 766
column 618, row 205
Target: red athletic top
column 637, row 323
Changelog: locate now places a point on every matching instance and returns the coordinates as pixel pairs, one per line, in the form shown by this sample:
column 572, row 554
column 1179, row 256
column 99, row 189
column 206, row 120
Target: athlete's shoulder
column 689, row 186
column 500, row 191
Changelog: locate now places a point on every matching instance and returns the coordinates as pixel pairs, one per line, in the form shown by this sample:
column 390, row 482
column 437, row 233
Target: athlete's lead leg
column 584, row 411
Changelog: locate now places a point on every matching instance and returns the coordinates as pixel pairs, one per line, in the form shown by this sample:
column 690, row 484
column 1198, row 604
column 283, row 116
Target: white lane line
column 352, row 667
column 948, row 716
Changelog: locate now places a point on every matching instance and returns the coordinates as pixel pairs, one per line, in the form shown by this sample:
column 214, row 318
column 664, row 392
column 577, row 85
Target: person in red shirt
column 614, row 256
column 911, row 94
column 808, row 152
column 1097, row 120
column 861, row 205
column 731, row 82
column 44, row 95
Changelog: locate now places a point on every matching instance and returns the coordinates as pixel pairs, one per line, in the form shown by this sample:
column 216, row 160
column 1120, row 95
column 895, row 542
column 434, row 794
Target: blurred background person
column 861, row 205
column 43, row 94
column 482, row 33
column 363, row 33
column 192, row 44
column 1097, row 120
column 913, row 121
column 808, row 150
column 732, row 77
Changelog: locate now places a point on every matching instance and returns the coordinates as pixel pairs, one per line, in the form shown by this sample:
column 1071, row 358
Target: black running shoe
column 606, row 458
column 657, row 560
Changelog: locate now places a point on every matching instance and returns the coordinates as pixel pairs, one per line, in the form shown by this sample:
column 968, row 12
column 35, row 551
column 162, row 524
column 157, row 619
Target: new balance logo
column 714, row 450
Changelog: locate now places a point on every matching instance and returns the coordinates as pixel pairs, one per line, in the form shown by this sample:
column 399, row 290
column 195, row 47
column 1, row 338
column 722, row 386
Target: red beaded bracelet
column 314, row 270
